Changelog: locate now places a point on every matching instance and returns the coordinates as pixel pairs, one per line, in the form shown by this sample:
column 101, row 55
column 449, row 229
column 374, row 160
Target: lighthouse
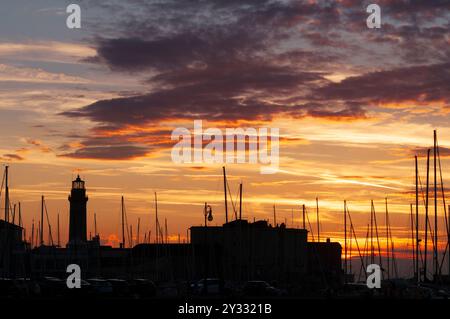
column 78, row 211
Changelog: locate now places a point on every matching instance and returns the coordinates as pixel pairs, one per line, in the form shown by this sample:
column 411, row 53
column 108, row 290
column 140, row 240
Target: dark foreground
column 52, row 288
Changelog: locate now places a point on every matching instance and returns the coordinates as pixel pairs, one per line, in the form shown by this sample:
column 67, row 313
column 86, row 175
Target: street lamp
column 207, row 212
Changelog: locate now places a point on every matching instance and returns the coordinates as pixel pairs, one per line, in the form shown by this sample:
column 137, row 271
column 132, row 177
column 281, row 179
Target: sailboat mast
column 240, row 201
column 274, row 216
column 166, row 230
column 318, row 221
column 38, row 235
column 446, row 217
column 6, row 195
column 59, row 241
column 95, row 224
column 131, row 236
column 412, row 238
column 304, row 213
column 225, row 193
column 372, row 249
column 32, row 234
column 426, row 217
column 387, row 240
column 345, row 241
column 352, row 231
column 138, row 230
column 417, row 220
column 436, row 263
column 20, row 215
column 123, row 222
column 41, row 234
column 156, row 219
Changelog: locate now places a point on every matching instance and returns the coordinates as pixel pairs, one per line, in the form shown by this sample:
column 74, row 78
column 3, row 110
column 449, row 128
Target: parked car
column 143, row 288
column 100, row 287
column 52, row 287
column 213, row 287
column 261, row 289
column 120, row 287
column 82, row 292
column 8, row 288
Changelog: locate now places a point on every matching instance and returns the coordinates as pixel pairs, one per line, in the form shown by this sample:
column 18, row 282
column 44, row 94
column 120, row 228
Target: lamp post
column 207, row 212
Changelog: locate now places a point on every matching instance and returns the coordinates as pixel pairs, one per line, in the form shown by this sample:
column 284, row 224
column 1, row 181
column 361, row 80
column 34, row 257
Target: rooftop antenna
column 225, row 191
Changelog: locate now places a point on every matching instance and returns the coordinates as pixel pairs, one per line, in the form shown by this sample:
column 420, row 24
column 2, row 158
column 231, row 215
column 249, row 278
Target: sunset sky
column 353, row 105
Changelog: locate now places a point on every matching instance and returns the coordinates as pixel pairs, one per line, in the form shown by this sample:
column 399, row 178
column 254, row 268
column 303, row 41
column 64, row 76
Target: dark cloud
column 351, row 112
column 9, row 157
column 226, row 92
column 40, row 145
column 162, row 53
column 124, row 152
column 422, row 151
column 105, row 143
column 231, row 60
column 428, row 83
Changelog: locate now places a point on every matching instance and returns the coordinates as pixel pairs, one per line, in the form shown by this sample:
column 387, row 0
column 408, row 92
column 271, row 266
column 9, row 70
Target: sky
column 353, row 106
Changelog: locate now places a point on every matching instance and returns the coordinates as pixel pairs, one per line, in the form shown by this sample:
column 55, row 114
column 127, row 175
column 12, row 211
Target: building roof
column 9, row 225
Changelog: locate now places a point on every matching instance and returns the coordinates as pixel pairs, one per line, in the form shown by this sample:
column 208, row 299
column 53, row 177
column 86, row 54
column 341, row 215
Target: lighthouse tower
column 78, row 210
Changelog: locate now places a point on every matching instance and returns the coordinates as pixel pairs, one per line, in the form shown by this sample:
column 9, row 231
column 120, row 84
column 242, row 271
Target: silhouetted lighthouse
column 78, row 201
